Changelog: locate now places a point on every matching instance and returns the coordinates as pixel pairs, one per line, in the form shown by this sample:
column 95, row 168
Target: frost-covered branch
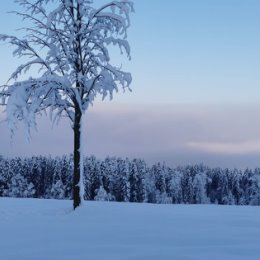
column 69, row 44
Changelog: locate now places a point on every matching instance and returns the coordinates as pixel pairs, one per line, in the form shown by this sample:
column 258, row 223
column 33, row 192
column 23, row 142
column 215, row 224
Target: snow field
column 34, row 229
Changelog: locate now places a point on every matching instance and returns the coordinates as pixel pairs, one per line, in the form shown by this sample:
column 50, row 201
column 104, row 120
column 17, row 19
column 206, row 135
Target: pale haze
column 196, row 89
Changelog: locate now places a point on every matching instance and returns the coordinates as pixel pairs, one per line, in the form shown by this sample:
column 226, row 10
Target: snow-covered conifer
column 58, row 190
column 134, row 183
column 175, row 187
column 121, row 186
column 200, row 181
column 255, row 190
column 102, row 195
column 187, row 186
column 18, row 187
column 92, row 177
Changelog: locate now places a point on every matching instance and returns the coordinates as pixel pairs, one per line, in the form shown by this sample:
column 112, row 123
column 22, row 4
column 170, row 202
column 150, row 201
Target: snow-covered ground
column 33, row 229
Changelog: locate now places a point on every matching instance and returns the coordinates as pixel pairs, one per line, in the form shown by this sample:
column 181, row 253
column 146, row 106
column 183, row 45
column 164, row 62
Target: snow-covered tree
column 92, row 179
column 142, row 171
column 19, row 188
column 187, row 186
column 134, row 183
column 255, row 190
column 68, row 42
column 175, row 187
column 121, row 184
column 200, row 181
column 58, row 190
column 102, row 195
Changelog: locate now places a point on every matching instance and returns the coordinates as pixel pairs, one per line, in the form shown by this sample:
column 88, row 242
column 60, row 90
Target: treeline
column 116, row 179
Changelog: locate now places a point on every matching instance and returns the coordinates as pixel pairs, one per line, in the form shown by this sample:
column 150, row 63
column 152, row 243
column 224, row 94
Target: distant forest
column 125, row 180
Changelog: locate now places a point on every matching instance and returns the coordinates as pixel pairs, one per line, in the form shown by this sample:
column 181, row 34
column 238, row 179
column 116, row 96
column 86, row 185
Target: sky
column 196, row 89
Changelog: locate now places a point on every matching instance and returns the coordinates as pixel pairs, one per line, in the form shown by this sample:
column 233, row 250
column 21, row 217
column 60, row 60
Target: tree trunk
column 77, row 160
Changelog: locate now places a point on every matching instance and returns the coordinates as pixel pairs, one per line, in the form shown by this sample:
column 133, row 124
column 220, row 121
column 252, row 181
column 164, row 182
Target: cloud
column 228, row 148
column 180, row 134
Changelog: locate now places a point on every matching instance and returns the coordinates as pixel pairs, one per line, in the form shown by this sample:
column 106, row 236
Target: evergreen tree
column 102, row 195
column 133, row 181
column 255, row 189
column 176, row 188
column 200, row 181
column 92, row 177
column 120, row 180
column 187, row 187
column 18, row 187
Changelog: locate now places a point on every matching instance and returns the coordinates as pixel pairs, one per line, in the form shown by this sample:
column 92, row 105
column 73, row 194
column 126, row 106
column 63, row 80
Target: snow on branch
column 28, row 98
column 70, row 46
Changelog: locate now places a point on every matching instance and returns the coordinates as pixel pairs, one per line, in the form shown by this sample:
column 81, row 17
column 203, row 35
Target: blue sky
column 195, row 68
column 196, row 51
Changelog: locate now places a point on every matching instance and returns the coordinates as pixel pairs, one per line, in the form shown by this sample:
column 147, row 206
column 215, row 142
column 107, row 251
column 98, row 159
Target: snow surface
column 34, row 229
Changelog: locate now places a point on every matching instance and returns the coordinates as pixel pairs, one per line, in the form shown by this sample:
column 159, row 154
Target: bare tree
column 68, row 41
